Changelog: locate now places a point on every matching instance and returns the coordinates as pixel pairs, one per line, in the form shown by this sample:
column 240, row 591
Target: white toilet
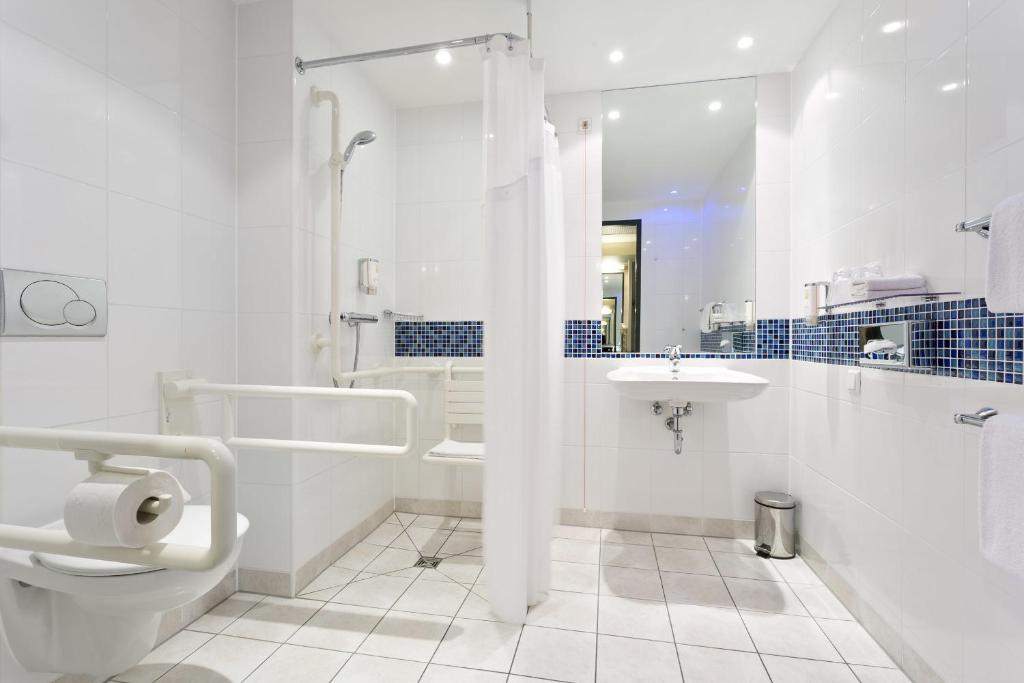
column 66, row 614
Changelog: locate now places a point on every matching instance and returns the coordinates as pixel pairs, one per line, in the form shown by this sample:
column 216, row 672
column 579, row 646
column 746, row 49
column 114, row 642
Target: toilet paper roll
column 114, row 509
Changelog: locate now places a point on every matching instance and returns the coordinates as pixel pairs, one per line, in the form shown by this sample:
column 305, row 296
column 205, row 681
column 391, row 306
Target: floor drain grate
column 428, row 562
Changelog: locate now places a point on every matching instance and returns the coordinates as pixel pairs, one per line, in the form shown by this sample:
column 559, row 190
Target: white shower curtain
column 523, row 330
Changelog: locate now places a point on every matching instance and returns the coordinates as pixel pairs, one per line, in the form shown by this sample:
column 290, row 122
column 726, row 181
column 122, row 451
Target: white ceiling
column 664, row 41
column 667, row 139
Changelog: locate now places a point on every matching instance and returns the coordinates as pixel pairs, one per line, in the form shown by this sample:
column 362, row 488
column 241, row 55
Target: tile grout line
column 668, row 610
column 746, row 628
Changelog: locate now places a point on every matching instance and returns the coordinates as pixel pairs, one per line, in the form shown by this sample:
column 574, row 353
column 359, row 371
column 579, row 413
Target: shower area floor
column 626, row 606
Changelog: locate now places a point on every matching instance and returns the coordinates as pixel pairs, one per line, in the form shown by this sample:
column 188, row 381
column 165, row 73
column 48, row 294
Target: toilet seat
column 193, row 529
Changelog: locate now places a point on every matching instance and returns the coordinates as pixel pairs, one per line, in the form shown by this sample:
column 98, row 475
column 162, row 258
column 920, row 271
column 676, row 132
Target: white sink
column 696, row 384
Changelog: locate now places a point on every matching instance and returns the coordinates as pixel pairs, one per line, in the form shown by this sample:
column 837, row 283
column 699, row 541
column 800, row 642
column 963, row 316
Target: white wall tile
column 207, row 265
column 55, row 383
column 54, row 110
column 144, row 49
column 51, row 224
column 142, row 342
column 208, row 174
column 265, row 98
column 144, row 253
column 264, row 28
column 144, row 147
column 264, row 186
column 76, row 27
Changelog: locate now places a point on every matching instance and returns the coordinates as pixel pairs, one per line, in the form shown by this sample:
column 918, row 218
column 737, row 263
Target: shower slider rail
column 97, row 448
column 975, row 419
column 178, row 391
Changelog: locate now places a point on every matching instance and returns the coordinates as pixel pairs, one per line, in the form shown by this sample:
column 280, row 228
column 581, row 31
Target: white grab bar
column 99, row 446
column 177, row 392
column 408, row 370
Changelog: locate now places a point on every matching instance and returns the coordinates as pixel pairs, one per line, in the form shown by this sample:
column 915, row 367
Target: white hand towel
column 1004, row 286
column 1001, row 492
column 105, row 509
column 706, row 317
column 893, row 282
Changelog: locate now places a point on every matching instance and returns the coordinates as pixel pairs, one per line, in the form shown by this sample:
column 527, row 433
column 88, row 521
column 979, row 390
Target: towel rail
column 975, row 419
column 177, row 392
column 980, row 226
column 97, row 447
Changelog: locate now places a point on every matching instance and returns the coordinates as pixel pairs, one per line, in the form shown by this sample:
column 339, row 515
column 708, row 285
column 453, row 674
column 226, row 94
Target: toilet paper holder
column 98, row 462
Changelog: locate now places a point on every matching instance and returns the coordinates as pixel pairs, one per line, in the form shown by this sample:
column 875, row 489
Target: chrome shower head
column 363, row 137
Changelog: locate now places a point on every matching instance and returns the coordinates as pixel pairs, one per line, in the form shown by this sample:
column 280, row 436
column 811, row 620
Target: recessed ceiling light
column 665, row 210
column 893, row 26
column 745, row 43
column 950, row 87
column 832, row 95
column 614, row 115
column 443, row 57
column 715, row 106
column 615, row 56
column 674, row 192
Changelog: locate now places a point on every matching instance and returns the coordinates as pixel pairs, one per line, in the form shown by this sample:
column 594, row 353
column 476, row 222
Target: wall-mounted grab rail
column 178, row 391
column 975, row 419
column 100, row 446
column 409, row 370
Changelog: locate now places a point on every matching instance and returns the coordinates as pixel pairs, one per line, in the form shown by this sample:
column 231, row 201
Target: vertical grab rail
column 99, row 446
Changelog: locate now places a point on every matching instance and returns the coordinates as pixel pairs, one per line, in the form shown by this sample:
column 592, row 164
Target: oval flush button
column 43, row 301
column 79, row 312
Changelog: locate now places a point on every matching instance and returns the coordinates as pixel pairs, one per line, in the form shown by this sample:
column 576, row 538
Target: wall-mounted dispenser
column 369, row 275
column 892, row 345
column 812, row 300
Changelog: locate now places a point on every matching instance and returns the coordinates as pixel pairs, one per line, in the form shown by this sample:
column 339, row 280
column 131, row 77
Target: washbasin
column 685, row 384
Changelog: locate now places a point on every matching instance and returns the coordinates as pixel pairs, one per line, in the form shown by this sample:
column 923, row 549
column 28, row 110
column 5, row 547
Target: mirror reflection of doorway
column 620, row 283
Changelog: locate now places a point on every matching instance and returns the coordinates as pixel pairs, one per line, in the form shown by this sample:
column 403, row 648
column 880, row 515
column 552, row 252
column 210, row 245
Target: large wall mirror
column 677, row 243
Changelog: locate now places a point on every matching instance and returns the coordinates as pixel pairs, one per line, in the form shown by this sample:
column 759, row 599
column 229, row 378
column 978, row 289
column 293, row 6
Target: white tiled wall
column 438, row 220
column 117, row 161
column 300, row 504
column 922, row 129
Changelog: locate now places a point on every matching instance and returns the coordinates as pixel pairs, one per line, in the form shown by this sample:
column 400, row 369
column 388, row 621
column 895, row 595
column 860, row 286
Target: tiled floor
column 626, row 606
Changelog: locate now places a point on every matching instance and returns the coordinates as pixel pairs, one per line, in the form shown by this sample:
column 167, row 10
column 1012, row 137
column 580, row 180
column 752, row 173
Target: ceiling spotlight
column 745, row 43
column 715, row 106
column 893, row 26
column 832, row 95
column 674, row 192
column 614, row 115
column 950, row 87
column 615, row 56
column 443, row 57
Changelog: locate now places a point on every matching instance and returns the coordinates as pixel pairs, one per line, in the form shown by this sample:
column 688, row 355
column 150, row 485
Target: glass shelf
column 880, row 301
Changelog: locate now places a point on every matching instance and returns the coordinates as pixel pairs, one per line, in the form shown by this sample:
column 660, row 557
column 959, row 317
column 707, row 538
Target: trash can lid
column 774, row 499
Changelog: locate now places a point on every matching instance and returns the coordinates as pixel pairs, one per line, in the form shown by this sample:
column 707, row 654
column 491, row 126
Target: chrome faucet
column 674, row 354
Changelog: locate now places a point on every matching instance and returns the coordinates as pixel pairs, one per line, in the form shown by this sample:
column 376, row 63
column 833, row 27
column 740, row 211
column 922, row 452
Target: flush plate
column 34, row 304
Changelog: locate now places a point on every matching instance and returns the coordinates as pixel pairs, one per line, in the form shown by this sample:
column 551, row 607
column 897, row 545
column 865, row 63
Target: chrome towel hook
column 975, row 419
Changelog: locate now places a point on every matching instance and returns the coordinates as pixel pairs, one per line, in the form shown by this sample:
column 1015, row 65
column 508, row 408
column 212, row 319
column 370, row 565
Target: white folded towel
column 1004, row 285
column 888, row 284
column 707, row 317
column 1001, row 492
column 861, row 292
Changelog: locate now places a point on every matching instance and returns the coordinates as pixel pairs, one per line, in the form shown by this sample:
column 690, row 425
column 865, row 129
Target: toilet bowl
column 63, row 614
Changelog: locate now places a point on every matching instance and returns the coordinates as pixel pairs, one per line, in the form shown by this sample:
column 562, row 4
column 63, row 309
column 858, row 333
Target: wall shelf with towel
column 882, row 301
column 979, row 226
column 975, row 419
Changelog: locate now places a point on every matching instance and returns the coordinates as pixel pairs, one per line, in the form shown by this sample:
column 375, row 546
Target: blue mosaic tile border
column 460, row 338
column 957, row 339
column 582, row 340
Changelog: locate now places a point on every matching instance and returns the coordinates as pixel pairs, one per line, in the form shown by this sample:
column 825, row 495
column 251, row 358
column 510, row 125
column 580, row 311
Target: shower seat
column 463, row 405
